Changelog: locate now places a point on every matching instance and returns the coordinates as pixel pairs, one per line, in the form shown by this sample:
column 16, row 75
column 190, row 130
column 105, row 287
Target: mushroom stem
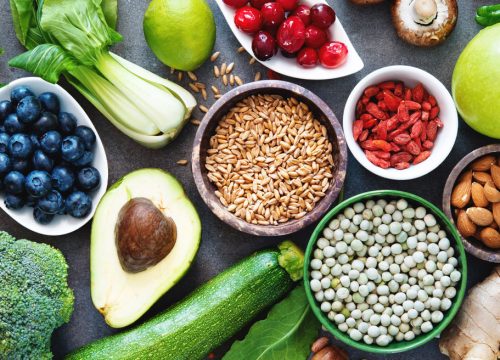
column 424, row 11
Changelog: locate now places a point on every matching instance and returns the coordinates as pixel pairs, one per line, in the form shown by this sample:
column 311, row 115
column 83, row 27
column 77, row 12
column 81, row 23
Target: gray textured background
column 372, row 34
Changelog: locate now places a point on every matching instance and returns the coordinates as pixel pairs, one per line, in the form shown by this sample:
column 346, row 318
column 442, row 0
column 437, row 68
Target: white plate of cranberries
column 302, row 39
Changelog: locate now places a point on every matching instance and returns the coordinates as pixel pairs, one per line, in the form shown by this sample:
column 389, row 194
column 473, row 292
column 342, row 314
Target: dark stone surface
column 372, row 34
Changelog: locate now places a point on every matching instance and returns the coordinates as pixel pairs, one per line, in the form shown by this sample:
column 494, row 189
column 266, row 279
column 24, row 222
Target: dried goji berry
column 401, row 165
column 439, row 122
column 416, row 129
column 398, row 89
column 421, row 157
column 394, row 147
column 432, row 130
column 427, row 144
column 387, row 85
column 403, row 114
column 380, row 96
column 407, row 94
column 418, row 93
column 425, row 116
column 434, row 112
column 392, row 123
column 423, row 134
column 382, row 106
column 432, row 100
column 391, row 100
column 365, row 117
column 382, row 145
column 365, row 100
column 367, row 124
column 395, row 133
column 413, row 148
column 371, row 91
column 360, row 108
column 375, row 111
column 377, row 161
column 402, row 139
column 382, row 130
column 363, row 136
column 426, row 106
column 381, row 154
column 401, row 157
column 357, row 129
column 412, row 105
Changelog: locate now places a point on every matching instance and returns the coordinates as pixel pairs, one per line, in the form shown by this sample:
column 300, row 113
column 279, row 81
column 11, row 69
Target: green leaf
column 23, row 15
column 110, row 10
column 47, row 61
column 286, row 333
column 79, row 26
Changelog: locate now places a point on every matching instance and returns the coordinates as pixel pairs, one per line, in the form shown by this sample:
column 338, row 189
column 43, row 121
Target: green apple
column 476, row 82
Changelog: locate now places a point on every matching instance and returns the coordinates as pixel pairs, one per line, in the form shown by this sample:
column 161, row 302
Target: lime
column 180, row 33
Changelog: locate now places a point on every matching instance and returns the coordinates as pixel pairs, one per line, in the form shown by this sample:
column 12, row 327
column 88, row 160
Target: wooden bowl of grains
column 269, row 158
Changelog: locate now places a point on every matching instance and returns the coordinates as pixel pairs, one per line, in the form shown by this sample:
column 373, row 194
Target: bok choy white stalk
column 72, row 38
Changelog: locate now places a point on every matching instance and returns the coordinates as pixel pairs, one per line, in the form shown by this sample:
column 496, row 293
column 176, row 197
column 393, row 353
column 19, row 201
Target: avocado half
column 129, row 271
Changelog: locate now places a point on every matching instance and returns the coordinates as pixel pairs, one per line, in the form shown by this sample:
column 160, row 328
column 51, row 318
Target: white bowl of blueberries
column 53, row 167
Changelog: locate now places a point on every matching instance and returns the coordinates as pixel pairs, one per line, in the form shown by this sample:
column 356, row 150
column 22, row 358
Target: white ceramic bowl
column 446, row 135
column 62, row 224
column 289, row 67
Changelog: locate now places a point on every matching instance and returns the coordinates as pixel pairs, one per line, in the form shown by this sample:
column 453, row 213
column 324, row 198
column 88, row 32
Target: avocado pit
column 143, row 234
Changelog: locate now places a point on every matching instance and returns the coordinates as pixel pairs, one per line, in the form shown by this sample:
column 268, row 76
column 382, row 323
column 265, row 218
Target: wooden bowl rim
column 472, row 247
column 207, row 194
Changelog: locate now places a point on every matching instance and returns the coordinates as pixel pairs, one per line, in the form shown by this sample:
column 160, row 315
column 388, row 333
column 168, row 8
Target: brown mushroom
column 367, row 2
column 143, row 235
column 424, row 22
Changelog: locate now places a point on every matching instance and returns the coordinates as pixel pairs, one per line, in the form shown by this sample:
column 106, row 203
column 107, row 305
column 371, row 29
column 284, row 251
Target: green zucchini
column 211, row 315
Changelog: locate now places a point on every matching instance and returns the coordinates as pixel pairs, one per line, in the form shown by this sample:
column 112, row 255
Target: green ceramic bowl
column 393, row 347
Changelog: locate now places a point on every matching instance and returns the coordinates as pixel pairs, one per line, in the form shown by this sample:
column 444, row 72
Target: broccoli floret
column 34, row 297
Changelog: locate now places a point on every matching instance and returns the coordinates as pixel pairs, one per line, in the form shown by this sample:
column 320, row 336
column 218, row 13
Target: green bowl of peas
column 385, row 271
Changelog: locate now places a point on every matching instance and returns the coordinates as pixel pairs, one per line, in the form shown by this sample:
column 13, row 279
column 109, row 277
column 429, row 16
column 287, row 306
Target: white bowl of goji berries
column 400, row 122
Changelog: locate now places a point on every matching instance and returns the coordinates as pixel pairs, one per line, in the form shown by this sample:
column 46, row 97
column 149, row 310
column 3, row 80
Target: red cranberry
column 333, row 54
column 288, row 5
column 235, row 3
column 303, row 12
column 307, row 57
column 322, row 16
column 315, row 37
column 248, row 19
column 258, row 3
column 273, row 15
column 291, row 34
column 263, row 45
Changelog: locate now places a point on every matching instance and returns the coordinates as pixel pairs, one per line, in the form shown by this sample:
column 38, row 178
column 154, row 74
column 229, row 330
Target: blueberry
column 5, row 164
column 19, row 93
column 85, row 160
column 29, row 110
column 38, row 183
column 20, row 165
column 62, row 179
column 52, row 203
column 51, row 142
column 87, row 135
column 88, row 178
column 20, row 146
column 42, row 162
column 46, row 122
column 41, row 217
column 4, row 142
column 13, row 125
column 14, row 182
column 67, row 123
column 50, row 102
column 5, row 109
column 14, row 202
column 34, row 141
column 72, row 148
column 78, row 204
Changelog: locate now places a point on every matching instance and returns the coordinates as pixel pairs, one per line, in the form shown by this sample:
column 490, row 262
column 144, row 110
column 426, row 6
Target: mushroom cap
column 424, row 35
column 367, row 2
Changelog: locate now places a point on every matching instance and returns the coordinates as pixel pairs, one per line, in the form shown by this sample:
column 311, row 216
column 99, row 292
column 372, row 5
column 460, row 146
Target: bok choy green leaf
column 72, row 38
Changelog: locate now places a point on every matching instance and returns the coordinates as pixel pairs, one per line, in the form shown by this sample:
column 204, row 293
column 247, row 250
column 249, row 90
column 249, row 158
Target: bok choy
column 72, row 38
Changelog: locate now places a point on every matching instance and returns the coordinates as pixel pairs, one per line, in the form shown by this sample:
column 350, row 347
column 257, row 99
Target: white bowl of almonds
column 385, row 271
column 269, row 158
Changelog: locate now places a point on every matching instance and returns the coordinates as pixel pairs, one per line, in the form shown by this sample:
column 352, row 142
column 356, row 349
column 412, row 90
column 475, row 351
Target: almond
column 460, row 196
column 480, row 216
column 483, row 163
column 481, row 177
column 490, row 237
column 464, row 225
column 496, row 213
column 491, row 192
column 495, row 175
column 477, row 194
